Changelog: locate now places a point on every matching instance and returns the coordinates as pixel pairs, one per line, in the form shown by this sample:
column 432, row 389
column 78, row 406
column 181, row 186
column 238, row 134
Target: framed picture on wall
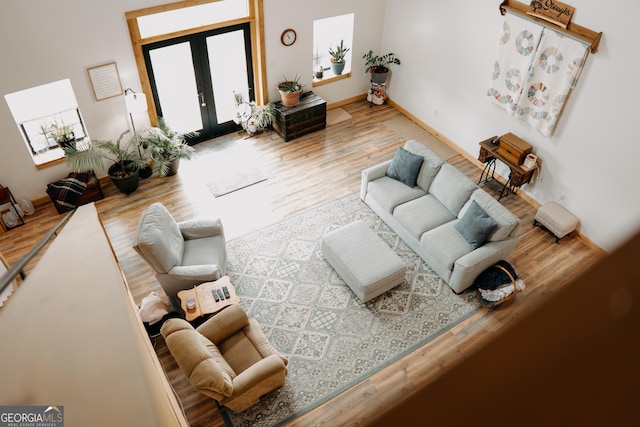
column 105, row 81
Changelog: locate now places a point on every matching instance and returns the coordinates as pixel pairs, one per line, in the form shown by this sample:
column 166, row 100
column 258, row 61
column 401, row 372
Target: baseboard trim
column 346, row 101
column 526, row 197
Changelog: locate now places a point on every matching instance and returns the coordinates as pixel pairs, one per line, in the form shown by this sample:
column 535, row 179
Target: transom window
column 196, row 16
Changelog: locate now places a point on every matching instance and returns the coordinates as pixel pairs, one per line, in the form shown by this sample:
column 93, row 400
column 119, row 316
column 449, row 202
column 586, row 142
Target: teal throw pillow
column 476, row 225
column 405, row 167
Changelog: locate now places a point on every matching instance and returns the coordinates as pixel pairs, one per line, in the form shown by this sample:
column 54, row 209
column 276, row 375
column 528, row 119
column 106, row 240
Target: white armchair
column 182, row 254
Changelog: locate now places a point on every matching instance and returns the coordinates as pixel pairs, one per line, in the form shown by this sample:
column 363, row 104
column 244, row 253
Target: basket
column 493, row 304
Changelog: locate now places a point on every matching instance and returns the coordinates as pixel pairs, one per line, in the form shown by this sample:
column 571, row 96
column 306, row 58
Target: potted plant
column 378, row 66
column 166, row 147
column 121, row 158
column 263, row 115
column 337, row 57
column 252, row 117
column 63, row 134
column 290, row 90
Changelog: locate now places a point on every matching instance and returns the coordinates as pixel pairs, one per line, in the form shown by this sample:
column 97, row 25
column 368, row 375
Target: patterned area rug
column 332, row 340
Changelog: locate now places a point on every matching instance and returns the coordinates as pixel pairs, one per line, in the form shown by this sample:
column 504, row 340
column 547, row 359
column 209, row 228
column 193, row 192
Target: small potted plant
column 263, row 116
column 63, row 134
column 166, row 147
column 378, row 66
column 338, row 57
column 121, row 158
column 252, row 117
column 290, row 90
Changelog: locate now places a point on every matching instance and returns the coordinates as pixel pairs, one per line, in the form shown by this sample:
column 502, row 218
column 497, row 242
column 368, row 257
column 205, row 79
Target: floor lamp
column 136, row 102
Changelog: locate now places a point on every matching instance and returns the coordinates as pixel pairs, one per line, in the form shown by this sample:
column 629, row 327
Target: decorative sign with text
column 105, row 81
column 552, row 11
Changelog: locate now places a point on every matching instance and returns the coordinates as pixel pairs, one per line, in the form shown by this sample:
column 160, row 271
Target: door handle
column 203, row 103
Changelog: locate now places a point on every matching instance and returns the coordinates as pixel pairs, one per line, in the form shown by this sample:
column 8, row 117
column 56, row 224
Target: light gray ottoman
column 363, row 260
column 556, row 219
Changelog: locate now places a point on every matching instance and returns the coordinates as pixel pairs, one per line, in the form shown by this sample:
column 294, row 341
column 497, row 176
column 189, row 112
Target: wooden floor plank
column 301, row 174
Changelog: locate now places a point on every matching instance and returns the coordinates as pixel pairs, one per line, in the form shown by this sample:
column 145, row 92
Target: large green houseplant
column 378, row 65
column 122, row 159
column 166, row 147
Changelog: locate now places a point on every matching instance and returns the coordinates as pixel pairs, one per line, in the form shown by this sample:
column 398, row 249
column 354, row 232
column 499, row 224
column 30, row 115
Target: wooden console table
column 308, row 116
column 518, row 176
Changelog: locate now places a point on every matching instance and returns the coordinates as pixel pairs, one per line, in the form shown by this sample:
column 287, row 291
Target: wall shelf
column 592, row 38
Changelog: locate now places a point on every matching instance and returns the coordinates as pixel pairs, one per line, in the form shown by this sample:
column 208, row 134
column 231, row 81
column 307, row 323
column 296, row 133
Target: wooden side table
column 205, row 303
column 518, row 176
column 308, row 116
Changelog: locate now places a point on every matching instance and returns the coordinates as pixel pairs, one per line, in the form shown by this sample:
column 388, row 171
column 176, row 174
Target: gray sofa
column 430, row 216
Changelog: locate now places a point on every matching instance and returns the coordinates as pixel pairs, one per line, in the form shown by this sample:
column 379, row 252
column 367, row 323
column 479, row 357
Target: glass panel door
column 193, row 79
column 176, row 87
column 228, row 68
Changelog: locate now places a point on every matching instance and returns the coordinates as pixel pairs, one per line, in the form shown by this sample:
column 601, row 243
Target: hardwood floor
column 301, row 174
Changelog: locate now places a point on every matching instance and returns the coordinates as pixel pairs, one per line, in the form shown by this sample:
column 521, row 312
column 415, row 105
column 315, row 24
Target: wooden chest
column 513, row 148
column 308, row 116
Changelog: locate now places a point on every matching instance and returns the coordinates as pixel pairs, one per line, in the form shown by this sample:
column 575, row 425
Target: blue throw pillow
column 405, row 167
column 476, row 225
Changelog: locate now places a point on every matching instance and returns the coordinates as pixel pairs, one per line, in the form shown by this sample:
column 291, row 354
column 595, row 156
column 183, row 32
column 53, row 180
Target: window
column 39, row 112
column 191, row 17
column 329, row 32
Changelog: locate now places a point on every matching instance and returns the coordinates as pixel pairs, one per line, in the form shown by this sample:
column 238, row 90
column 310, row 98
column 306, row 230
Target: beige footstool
column 363, row 260
column 556, row 219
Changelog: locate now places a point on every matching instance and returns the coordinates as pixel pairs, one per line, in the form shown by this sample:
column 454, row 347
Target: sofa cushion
column 240, row 352
column 476, row 225
column 507, row 221
column 422, row 214
column 430, row 165
column 388, row 193
column 452, row 188
column 405, row 167
column 158, row 239
column 442, row 247
column 205, row 370
column 204, row 251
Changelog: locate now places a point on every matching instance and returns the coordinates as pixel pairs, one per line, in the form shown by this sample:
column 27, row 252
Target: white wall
column 46, row 41
column 50, row 40
column 298, row 58
column 447, row 51
column 590, row 163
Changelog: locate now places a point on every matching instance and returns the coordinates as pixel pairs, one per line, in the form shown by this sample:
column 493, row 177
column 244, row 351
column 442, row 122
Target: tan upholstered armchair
column 182, row 254
column 227, row 358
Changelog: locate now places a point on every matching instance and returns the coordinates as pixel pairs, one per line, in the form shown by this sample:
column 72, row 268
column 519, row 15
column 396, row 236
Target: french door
column 193, row 79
